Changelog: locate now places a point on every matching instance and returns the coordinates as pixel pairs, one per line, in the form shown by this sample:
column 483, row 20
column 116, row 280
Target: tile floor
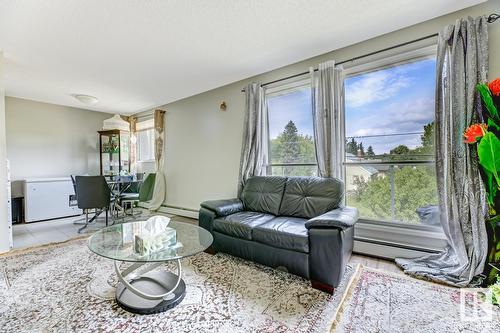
column 50, row 231
column 38, row 233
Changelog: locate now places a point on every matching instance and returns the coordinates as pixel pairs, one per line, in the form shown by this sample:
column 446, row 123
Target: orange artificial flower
column 474, row 132
column 494, row 87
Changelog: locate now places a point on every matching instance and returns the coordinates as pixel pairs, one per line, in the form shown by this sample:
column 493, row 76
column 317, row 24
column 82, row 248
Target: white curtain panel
column 462, row 62
column 133, row 144
column 254, row 149
column 328, row 118
column 160, row 187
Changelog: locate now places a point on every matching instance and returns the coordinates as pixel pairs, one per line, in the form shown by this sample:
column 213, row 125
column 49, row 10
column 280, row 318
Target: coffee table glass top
column 117, row 241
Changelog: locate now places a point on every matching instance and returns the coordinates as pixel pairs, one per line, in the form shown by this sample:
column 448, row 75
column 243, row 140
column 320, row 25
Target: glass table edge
column 202, row 249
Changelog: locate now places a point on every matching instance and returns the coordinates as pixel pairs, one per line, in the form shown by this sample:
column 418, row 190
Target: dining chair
column 140, row 193
column 82, row 220
column 92, row 192
column 147, row 188
column 130, row 195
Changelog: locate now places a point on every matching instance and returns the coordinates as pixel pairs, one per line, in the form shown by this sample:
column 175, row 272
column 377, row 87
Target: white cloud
column 407, row 116
column 374, row 87
column 399, row 117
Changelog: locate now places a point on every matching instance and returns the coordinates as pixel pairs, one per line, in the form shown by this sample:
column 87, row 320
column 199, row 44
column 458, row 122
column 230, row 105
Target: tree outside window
column 389, row 121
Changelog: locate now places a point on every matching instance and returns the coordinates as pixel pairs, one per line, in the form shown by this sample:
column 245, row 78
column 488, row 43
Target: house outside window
column 145, row 141
column 389, row 146
column 291, row 139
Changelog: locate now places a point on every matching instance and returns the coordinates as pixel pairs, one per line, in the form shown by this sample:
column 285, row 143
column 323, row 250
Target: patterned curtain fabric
column 327, row 105
column 462, row 62
column 159, row 192
column 254, row 149
column 133, row 144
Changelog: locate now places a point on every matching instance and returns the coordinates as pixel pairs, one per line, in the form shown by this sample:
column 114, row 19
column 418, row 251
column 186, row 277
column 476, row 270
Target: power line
column 380, row 135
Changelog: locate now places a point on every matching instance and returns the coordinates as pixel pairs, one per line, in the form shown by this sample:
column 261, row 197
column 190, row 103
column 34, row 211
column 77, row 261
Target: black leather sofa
column 292, row 222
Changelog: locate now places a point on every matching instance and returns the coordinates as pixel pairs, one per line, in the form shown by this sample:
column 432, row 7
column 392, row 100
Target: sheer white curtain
column 159, row 192
column 254, row 149
column 328, row 118
column 133, row 144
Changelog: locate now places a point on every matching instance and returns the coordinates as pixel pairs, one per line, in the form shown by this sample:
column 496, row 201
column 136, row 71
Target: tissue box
column 148, row 244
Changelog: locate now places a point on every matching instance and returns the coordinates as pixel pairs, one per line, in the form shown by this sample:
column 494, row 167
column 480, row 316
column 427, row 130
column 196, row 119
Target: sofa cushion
column 241, row 224
column 284, row 232
column 308, row 197
column 263, row 194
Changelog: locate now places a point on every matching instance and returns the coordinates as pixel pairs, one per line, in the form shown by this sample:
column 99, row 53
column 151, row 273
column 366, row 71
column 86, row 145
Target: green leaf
column 489, row 158
column 488, row 100
column 494, row 219
column 492, row 125
column 489, row 155
column 491, row 187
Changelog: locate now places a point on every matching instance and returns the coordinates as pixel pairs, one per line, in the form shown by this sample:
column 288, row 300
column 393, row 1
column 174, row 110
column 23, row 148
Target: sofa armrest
column 341, row 218
column 223, row 207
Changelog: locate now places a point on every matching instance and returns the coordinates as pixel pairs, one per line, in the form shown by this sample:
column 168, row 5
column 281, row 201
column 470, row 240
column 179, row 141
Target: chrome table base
column 143, row 291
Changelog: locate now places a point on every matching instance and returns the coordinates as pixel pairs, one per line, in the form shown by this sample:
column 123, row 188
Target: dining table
column 118, row 187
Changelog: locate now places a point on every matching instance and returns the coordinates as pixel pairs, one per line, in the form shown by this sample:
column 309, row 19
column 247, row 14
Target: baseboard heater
column 181, row 211
column 390, row 250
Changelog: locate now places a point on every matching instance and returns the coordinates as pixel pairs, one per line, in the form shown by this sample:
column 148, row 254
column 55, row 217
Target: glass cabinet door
column 114, row 152
column 125, row 152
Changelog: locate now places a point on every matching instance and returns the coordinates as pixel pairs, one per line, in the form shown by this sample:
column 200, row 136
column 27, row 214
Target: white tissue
column 155, row 236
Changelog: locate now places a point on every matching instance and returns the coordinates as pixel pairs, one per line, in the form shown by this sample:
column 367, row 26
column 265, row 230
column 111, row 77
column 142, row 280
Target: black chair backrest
column 92, row 192
column 74, row 182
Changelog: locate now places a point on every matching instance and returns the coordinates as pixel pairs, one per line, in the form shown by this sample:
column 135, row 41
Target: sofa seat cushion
column 241, row 224
column 288, row 233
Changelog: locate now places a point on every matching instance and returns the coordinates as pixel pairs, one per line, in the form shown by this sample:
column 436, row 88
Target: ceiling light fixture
column 86, row 99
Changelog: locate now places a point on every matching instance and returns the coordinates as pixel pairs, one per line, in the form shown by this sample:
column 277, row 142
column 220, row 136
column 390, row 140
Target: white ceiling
column 134, row 55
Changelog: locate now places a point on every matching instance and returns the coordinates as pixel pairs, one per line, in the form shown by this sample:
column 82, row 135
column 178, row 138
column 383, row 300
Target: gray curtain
column 327, row 104
column 254, row 149
column 462, row 62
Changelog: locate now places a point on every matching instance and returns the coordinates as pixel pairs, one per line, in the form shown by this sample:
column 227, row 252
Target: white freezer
column 48, row 198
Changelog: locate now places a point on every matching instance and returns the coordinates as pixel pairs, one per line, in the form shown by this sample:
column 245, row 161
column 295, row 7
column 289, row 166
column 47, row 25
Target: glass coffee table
column 140, row 288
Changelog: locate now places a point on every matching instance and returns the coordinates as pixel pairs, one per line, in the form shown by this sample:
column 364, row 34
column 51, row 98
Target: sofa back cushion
column 309, row 197
column 263, row 194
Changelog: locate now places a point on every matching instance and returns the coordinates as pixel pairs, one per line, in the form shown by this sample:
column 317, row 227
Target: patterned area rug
column 66, row 288
column 380, row 301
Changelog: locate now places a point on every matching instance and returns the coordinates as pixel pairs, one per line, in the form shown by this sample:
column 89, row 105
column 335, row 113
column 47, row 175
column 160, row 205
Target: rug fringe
column 347, row 295
column 37, row 247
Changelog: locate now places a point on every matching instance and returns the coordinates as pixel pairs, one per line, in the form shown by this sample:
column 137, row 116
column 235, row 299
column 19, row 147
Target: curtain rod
column 352, row 59
column 491, row 18
column 144, row 116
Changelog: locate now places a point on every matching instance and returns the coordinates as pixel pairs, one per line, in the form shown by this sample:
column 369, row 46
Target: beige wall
column 203, row 144
column 47, row 140
column 4, row 226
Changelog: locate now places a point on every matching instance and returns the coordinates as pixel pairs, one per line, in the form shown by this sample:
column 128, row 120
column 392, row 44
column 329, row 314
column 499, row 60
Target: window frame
column 147, row 125
column 280, row 89
column 393, row 60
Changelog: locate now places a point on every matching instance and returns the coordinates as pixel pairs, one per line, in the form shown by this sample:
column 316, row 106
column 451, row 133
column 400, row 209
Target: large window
column 389, row 148
column 291, row 142
column 145, row 141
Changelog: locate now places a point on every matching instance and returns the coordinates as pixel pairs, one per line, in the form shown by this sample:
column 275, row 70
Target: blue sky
column 295, row 106
column 393, row 100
